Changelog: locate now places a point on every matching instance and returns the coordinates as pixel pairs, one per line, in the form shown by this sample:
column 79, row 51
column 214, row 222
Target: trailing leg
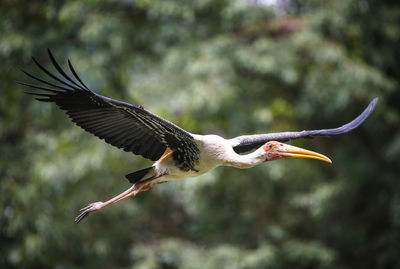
column 143, row 185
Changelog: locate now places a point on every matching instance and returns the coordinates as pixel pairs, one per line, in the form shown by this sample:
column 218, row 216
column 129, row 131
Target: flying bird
column 176, row 153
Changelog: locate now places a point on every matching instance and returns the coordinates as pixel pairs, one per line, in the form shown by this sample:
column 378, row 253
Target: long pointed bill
column 288, row 151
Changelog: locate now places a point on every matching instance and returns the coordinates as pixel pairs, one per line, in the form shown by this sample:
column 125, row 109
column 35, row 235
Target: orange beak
column 288, row 151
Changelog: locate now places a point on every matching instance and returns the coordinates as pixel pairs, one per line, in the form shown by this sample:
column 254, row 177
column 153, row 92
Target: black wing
column 120, row 124
column 249, row 142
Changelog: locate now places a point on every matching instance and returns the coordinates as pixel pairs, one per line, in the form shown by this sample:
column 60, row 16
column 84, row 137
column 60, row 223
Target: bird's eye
column 270, row 146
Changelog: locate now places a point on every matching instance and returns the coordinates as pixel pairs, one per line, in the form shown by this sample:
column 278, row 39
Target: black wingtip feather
column 61, row 71
column 46, row 82
column 362, row 117
column 53, row 76
column 76, row 75
column 39, row 87
column 374, row 102
column 43, row 100
column 41, row 94
column 36, row 93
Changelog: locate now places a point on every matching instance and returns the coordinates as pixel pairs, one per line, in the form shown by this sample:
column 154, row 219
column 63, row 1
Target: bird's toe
column 92, row 207
column 87, row 210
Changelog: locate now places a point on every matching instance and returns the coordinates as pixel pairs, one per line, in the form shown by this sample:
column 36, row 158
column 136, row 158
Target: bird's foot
column 86, row 211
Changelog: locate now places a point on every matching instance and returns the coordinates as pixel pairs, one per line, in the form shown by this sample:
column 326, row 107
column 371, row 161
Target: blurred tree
column 224, row 67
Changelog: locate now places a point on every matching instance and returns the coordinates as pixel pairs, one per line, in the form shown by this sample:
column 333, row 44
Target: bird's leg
column 99, row 205
column 135, row 189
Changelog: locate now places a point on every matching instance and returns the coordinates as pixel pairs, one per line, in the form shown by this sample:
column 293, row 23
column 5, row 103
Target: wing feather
column 246, row 143
column 120, row 124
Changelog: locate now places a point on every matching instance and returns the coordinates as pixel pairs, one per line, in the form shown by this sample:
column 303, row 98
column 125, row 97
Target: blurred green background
column 228, row 67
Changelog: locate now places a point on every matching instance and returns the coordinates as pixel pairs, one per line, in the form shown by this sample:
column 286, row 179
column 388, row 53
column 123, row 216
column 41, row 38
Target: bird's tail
column 141, row 174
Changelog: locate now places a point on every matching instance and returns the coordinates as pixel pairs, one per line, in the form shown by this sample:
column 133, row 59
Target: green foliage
column 224, row 67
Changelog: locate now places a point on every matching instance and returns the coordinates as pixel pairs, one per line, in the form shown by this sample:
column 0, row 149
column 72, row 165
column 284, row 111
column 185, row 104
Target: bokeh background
column 228, row 67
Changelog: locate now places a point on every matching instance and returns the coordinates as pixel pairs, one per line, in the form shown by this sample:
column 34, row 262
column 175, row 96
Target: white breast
column 213, row 153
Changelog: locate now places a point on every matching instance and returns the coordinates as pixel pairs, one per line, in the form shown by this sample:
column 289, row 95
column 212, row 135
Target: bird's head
column 276, row 150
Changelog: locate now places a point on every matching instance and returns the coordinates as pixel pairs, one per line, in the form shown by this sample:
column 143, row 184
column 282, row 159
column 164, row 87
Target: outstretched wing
column 125, row 126
column 246, row 143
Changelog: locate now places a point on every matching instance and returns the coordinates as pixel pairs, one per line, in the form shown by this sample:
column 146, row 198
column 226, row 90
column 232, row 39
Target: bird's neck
column 248, row 160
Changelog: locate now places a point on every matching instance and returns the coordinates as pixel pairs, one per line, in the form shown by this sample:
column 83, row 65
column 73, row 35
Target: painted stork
column 177, row 153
